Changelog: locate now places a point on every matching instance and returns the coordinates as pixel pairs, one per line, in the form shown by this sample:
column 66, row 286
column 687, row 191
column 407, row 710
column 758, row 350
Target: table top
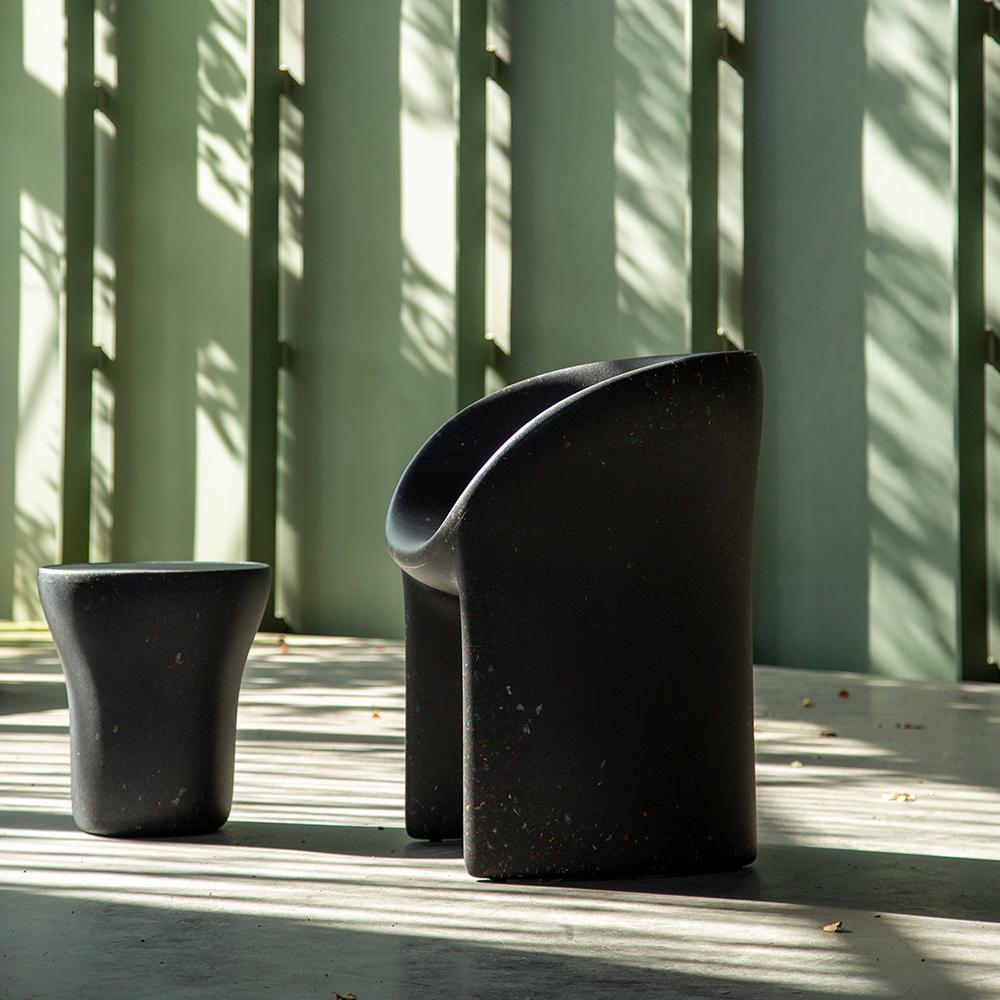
column 119, row 568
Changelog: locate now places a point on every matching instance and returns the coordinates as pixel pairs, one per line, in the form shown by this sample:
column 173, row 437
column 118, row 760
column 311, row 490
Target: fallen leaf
column 902, row 797
column 836, row 927
column 843, row 693
column 346, row 996
column 807, row 703
column 376, row 715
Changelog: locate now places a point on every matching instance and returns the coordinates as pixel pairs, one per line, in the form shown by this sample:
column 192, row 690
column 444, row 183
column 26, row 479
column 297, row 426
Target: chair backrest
column 455, row 453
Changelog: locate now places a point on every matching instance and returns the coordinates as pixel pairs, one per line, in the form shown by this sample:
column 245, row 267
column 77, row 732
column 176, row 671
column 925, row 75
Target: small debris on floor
column 827, row 733
column 909, row 725
column 901, row 797
column 282, row 645
column 796, row 763
column 808, row 703
column 376, row 715
column 346, row 996
column 843, row 693
column 837, row 927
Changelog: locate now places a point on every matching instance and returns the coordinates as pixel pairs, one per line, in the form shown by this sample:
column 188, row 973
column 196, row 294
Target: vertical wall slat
column 470, row 308
column 703, row 187
column 970, row 24
column 262, row 473
column 79, row 222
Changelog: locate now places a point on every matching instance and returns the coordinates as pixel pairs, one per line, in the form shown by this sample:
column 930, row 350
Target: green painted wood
column 471, row 347
column 970, row 19
column 79, row 220
column 265, row 350
column 703, row 208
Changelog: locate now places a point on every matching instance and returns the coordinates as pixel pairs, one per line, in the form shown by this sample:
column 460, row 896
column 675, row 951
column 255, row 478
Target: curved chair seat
column 576, row 570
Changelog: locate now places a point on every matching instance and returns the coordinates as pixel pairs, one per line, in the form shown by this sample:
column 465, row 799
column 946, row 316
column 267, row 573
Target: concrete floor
column 891, row 826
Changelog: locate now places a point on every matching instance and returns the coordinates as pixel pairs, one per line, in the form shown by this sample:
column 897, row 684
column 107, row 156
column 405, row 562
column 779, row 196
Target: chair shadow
column 878, row 881
column 50, row 822
column 357, row 841
column 23, row 697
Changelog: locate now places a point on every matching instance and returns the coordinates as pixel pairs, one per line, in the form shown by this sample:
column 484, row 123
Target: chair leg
column 433, row 712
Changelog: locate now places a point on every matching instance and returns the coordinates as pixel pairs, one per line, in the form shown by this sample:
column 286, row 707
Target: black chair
column 576, row 571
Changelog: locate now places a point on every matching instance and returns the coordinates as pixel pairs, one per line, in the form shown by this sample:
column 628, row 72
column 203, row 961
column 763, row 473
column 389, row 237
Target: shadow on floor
column 882, row 882
column 359, row 841
column 97, row 950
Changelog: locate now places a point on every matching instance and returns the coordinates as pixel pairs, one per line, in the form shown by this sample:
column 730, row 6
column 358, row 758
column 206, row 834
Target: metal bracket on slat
column 992, row 347
column 730, row 48
column 106, row 101
column 992, row 27
column 497, row 68
column 290, row 86
column 101, row 361
column 729, row 344
column 496, row 356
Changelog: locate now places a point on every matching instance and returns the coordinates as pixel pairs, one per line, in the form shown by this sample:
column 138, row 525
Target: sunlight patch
column 44, row 43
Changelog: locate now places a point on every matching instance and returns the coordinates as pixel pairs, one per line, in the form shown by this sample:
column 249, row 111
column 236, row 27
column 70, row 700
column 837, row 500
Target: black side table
column 153, row 655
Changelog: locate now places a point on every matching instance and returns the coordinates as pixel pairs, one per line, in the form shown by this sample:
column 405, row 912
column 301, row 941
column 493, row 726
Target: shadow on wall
column 598, row 170
column 650, row 184
column 805, row 317
column 11, row 172
column 224, row 190
column 848, row 303
column 909, row 354
column 427, row 318
column 31, row 240
column 564, row 306
column 182, row 355
column 598, row 183
column 350, row 399
column 39, row 423
column 426, row 77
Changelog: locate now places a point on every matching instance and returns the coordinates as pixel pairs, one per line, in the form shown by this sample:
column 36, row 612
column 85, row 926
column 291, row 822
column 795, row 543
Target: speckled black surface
column 587, row 536
column 153, row 655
